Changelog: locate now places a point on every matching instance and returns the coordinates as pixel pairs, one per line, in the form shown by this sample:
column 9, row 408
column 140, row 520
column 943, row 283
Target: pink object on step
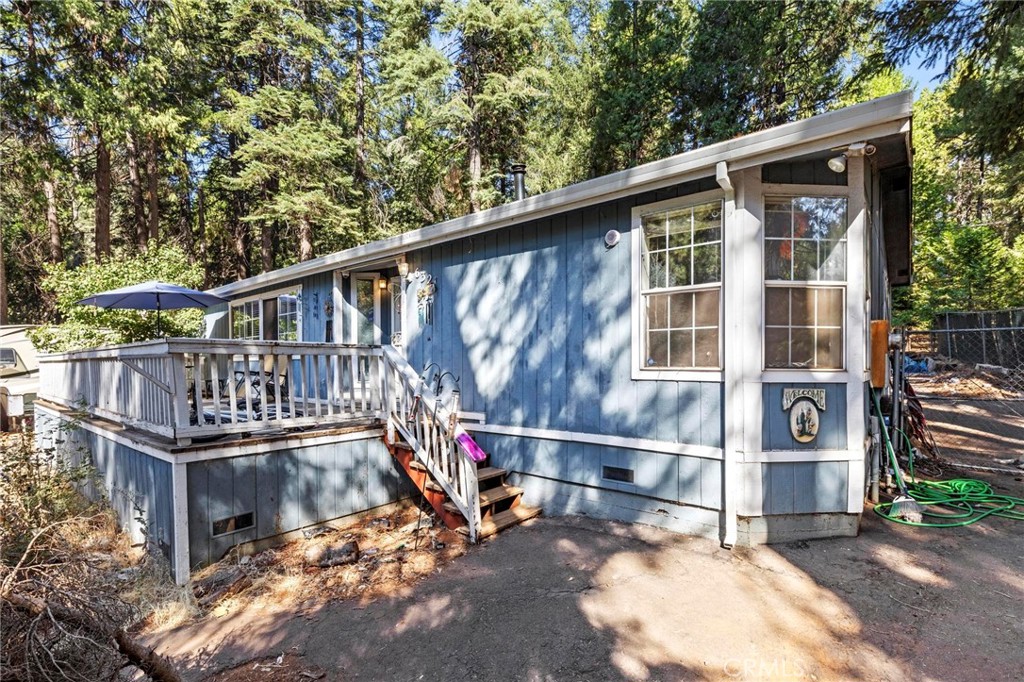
column 470, row 447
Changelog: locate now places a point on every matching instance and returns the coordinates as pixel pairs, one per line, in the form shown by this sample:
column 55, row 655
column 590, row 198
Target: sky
column 922, row 77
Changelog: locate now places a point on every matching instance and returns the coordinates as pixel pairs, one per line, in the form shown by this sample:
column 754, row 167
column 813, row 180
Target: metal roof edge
column 662, row 172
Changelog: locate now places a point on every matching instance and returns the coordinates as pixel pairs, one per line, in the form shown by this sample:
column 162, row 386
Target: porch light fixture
column 403, row 268
column 838, row 163
column 382, row 284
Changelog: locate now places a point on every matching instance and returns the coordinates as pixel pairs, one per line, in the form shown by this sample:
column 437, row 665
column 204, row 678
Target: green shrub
column 86, row 326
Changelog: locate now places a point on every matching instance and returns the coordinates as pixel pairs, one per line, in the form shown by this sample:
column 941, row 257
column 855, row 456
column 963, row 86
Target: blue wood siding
column 804, row 487
column 775, row 434
column 685, row 480
column 138, row 486
column 535, row 319
column 287, row 490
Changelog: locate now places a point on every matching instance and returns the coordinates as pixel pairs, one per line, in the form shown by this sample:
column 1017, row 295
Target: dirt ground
column 571, row 598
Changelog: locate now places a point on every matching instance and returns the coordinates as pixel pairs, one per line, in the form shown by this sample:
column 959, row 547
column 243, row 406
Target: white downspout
column 732, row 374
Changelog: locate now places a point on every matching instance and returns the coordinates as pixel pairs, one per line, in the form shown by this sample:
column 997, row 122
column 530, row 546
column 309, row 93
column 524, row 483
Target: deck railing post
column 179, row 395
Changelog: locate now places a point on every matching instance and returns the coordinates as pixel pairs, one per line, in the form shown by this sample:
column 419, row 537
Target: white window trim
column 266, row 295
column 792, row 373
column 637, row 371
column 353, row 312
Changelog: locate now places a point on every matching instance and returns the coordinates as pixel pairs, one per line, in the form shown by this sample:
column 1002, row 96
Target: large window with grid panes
column 680, row 284
column 805, row 260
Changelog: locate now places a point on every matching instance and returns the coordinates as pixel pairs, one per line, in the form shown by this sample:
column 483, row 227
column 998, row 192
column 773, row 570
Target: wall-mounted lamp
column 838, row 163
column 403, row 268
column 382, row 284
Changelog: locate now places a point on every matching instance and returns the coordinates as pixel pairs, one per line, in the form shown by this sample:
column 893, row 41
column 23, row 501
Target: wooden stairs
column 500, row 503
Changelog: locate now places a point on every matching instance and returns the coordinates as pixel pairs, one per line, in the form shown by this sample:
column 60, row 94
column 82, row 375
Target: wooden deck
column 195, row 389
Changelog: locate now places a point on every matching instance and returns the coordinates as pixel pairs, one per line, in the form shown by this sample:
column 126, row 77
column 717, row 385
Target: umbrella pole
column 158, row 316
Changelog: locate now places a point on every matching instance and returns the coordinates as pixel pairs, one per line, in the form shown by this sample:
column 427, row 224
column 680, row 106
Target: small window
column 8, row 358
column 805, row 277
column 245, row 320
column 233, row 524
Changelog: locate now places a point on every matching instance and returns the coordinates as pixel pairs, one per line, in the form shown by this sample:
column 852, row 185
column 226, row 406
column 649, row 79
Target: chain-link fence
column 970, row 382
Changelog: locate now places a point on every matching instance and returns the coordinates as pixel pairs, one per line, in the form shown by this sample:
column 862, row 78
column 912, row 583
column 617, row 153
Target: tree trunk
column 305, row 239
column 52, row 224
column 138, row 202
column 102, row 198
column 241, row 238
column 267, row 246
column 201, row 234
column 154, row 198
column 3, row 281
column 361, row 155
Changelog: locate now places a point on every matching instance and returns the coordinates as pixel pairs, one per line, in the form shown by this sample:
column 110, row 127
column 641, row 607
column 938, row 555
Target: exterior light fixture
column 382, row 284
column 838, row 163
column 403, row 269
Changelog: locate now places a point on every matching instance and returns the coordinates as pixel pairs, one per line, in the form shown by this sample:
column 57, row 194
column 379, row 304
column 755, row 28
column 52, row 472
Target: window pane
column 824, row 217
column 830, row 307
column 707, row 264
column 682, row 310
column 679, row 268
column 654, row 232
column 830, row 348
column 801, row 307
column 657, row 349
column 706, row 351
column 801, row 351
column 776, row 224
column 656, row 270
column 707, row 223
column 679, row 229
column 805, row 263
column 706, row 306
column 778, row 259
column 833, row 267
column 681, row 345
column 776, row 347
column 657, row 311
column 776, row 306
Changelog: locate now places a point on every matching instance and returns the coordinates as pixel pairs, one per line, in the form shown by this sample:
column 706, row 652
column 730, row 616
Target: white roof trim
column 879, row 117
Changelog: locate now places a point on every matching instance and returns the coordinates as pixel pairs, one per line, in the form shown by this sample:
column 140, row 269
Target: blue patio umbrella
column 153, row 295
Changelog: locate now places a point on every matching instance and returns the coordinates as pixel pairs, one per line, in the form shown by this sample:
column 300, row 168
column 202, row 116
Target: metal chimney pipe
column 519, row 180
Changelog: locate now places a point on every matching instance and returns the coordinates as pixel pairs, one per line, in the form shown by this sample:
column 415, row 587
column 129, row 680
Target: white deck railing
column 194, row 388
column 428, row 427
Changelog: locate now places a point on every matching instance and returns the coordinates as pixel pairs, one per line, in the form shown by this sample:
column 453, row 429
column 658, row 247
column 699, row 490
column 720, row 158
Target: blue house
column 682, row 344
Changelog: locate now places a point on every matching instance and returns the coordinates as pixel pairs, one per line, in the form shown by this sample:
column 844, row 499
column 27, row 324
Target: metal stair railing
column 415, row 412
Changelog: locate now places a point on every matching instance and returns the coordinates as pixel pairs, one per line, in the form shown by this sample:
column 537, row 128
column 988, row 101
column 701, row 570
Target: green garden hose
column 958, row 501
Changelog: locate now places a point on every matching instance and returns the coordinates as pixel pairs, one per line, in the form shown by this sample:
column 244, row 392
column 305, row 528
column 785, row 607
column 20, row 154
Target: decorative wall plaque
column 803, row 405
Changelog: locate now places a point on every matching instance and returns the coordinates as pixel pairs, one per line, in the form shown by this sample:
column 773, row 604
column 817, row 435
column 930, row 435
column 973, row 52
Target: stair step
column 418, row 466
column 501, row 492
column 489, row 496
column 505, row 519
column 401, row 445
column 488, row 473
column 433, row 487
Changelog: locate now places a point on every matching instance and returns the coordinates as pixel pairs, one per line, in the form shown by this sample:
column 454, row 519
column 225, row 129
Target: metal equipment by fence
column 969, row 377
